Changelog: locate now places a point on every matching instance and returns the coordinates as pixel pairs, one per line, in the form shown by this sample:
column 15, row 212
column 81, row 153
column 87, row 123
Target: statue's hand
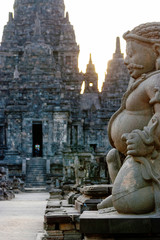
column 135, row 145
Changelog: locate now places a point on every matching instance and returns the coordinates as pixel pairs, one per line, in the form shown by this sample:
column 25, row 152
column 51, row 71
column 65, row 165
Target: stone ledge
column 93, row 222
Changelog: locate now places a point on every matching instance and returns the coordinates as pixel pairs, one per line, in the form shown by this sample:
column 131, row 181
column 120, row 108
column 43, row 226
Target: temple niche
column 48, row 130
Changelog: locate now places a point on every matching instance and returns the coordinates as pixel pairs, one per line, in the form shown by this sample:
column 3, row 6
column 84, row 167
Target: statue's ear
column 157, row 51
column 156, row 48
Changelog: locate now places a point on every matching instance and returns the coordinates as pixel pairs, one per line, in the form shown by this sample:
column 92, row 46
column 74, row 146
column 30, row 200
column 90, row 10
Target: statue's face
column 140, row 58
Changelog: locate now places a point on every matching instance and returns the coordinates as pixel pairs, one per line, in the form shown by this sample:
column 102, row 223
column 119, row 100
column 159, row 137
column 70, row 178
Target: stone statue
column 16, row 73
column 134, row 130
column 79, row 171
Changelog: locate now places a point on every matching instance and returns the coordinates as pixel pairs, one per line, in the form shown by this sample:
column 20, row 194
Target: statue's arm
column 144, row 142
column 147, row 141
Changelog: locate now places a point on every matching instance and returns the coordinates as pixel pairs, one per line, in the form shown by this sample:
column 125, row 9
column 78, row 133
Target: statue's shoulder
column 152, row 84
column 153, row 79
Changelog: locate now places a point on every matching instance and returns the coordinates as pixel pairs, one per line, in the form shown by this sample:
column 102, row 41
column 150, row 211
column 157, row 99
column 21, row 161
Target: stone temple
column 48, row 130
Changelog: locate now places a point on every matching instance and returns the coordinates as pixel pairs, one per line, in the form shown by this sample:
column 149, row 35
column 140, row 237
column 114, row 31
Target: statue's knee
column 112, row 156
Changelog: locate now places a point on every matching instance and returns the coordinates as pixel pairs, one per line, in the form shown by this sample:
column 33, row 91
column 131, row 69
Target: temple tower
column 91, row 78
column 40, row 79
column 47, row 128
column 116, row 81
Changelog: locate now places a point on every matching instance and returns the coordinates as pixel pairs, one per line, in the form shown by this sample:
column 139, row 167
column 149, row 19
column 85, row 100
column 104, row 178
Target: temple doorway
column 37, row 138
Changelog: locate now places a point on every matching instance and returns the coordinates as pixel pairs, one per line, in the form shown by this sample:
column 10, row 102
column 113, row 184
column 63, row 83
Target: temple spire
column 90, row 58
column 37, row 30
column 118, row 49
column 91, row 77
column 67, row 16
column 90, row 65
column 10, row 17
column 118, row 53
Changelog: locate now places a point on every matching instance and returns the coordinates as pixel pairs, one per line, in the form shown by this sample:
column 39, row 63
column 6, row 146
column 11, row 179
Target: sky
column 97, row 23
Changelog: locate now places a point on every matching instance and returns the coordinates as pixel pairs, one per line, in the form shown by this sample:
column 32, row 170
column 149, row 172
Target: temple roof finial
column 10, row 17
column 118, row 48
column 118, row 53
column 16, row 73
column 67, row 16
column 37, row 28
column 90, row 58
column 90, row 65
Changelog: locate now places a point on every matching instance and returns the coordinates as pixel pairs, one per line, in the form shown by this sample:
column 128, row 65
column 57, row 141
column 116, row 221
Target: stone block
column 54, row 238
column 85, row 203
column 51, row 218
column 100, row 237
column 95, row 237
column 73, row 237
column 68, row 235
column 55, row 233
column 54, row 210
column 49, row 227
column 53, row 204
column 78, row 226
column 66, row 226
column 70, row 197
column 96, row 191
column 111, row 224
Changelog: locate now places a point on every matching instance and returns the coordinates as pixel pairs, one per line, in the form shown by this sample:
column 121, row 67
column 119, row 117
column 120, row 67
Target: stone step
column 34, row 174
column 35, row 180
column 33, row 183
column 36, row 165
column 38, row 174
column 36, row 171
column 30, row 176
column 35, row 189
column 30, row 186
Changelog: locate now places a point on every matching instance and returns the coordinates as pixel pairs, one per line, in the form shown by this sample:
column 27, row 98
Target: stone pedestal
column 91, row 196
column 114, row 226
column 55, row 193
column 61, row 221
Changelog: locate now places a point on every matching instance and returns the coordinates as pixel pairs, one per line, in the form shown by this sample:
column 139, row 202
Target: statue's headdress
column 148, row 33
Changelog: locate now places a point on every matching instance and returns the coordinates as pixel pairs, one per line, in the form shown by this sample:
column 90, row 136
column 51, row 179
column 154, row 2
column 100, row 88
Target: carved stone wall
column 40, row 98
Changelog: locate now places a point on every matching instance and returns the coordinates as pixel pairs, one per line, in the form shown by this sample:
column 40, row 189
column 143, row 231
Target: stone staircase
column 36, row 172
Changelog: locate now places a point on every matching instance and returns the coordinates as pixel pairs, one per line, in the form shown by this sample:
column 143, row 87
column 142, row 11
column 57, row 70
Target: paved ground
column 22, row 217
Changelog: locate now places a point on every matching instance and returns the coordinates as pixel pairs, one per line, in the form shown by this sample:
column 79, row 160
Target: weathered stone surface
column 97, row 190
column 51, row 218
column 41, row 104
column 53, row 204
column 7, row 186
column 66, row 226
column 63, row 221
column 55, row 193
column 91, row 196
column 134, row 129
column 113, row 224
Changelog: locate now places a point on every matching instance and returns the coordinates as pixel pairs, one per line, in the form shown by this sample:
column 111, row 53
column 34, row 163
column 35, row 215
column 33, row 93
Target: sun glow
column 97, row 23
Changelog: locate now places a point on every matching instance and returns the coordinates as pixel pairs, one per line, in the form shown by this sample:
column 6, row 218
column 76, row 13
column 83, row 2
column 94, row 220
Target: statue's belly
column 126, row 122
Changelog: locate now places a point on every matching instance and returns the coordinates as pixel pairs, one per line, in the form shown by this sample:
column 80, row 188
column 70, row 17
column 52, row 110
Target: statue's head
column 143, row 49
